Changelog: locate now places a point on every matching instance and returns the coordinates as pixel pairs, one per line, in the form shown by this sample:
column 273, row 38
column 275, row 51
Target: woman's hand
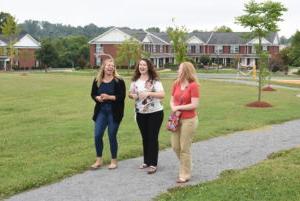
column 174, row 108
column 99, row 99
column 133, row 96
column 143, row 95
column 106, row 97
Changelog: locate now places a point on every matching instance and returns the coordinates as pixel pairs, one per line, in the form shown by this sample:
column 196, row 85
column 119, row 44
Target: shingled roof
column 222, row 38
column 138, row 34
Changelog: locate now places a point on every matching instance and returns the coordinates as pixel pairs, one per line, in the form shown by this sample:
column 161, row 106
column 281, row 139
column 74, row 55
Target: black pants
column 149, row 125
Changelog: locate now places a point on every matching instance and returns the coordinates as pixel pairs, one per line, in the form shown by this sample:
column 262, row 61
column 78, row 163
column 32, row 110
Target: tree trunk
column 260, row 70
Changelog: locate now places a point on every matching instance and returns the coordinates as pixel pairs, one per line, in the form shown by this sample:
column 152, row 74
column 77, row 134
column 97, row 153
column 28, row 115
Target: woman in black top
column 108, row 91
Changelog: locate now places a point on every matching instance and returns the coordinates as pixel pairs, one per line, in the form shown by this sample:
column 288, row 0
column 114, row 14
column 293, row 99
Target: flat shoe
column 112, row 166
column 152, row 169
column 143, row 166
column 95, row 167
column 181, row 180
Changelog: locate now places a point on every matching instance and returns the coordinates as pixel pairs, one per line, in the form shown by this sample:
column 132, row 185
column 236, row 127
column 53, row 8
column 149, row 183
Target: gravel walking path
column 210, row 158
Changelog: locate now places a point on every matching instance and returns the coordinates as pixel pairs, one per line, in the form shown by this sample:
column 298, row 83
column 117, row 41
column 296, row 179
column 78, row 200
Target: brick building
column 25, row 47
column 222, row 48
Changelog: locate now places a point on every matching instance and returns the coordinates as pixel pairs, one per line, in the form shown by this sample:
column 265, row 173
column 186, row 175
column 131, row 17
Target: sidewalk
column 210, row 158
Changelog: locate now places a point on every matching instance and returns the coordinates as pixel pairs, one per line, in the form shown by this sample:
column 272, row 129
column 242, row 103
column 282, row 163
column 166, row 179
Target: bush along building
column 222, row 48
column 24, row 47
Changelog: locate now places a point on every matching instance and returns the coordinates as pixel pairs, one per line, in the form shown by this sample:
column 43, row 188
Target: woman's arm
column 94, row 91
column 145, row 94
column 191, row 106
column 120, row 91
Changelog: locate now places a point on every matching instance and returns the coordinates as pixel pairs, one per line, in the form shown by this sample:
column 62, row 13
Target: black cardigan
column 117, row 105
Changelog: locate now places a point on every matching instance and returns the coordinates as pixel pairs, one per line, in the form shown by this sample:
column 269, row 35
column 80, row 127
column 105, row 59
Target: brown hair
column 151, row 71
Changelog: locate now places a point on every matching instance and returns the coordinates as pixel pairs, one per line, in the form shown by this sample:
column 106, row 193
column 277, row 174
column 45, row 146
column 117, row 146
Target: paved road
column 210, row 158
column 254, row 83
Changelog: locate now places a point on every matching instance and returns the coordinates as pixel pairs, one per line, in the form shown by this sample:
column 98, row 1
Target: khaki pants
column 181, row 144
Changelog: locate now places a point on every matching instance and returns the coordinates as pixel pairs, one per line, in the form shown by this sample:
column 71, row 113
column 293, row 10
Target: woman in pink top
column 184, row 101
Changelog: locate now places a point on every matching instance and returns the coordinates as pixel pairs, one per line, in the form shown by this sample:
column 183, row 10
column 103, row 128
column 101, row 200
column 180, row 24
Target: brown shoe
column 152, row 169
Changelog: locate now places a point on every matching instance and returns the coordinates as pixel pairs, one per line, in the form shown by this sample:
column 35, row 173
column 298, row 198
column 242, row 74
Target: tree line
column 67, row 46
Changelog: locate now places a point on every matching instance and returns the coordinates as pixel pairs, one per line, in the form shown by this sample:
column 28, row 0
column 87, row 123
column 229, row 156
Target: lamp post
column 218, row 53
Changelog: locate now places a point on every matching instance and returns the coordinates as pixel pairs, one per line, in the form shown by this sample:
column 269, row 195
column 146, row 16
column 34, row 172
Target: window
column 265, row 48
column 98, row 61
column 234, row 49
column 193, row 49
column 253, row 49
column 219, row 49
column 99, row 48
column 146, row 48
column 157, row 47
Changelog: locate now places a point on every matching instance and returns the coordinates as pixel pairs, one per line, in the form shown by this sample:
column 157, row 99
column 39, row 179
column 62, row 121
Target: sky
column 193, row 14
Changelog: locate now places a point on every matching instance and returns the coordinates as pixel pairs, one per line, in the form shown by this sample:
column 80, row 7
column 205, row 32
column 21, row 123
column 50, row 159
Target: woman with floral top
column 147, row 91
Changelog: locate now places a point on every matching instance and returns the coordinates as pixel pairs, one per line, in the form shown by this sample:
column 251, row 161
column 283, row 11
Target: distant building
column 222, row 48
column 25, row 47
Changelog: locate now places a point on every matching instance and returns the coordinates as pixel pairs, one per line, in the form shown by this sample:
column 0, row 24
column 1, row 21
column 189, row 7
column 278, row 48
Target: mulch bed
column 268, row 88
column 260, row 104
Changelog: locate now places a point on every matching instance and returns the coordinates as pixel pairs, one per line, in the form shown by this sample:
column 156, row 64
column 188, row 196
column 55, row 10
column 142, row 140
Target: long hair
column 100, row 74
column 151, row 71
column 188, row 73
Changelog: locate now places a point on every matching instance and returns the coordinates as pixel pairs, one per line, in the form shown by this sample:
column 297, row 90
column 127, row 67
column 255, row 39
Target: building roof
column 228, row 38
column 204, row 36
column 222, row 38
column 23, row 40
column 138, row 34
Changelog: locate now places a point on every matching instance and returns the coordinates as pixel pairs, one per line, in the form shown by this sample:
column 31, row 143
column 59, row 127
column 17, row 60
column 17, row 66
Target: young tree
column 178, row 36
column 261, row 18
column 47, row 54
column 10, row 30
column 129, row 52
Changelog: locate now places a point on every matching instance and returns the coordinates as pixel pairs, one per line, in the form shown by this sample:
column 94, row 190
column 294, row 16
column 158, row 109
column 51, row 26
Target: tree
column 153, row 29
column 284, row 40
column 178, row 36
column 10, row 30
column 222, row 29
column 129, row 52
column 3, row 18
column 294, row 53
column 261, row 18
column 284, row 54
column 204, row 59
column 47, row 54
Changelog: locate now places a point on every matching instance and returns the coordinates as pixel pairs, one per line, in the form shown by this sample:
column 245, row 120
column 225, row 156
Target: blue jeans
column 105, row 119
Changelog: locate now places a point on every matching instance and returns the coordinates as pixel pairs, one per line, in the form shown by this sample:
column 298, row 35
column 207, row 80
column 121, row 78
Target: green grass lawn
column 276, row 179
column 46, row 131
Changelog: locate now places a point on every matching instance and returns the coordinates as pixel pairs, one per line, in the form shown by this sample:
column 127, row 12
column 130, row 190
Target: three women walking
column 108, row 91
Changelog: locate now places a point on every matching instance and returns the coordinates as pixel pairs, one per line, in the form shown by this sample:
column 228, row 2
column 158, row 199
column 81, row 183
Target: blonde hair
column 188, row 73
column 100, row 74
